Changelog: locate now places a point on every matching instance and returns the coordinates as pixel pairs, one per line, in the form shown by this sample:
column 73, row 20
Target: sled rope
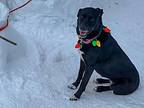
column 11, row 11
column 20, row 6
column 1, row 37
column 5, row 26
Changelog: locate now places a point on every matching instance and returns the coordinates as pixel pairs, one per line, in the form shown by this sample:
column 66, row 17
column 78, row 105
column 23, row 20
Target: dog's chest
column 82, row 55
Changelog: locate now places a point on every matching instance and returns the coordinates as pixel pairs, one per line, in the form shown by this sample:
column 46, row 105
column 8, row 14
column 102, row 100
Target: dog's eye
column 82, row 16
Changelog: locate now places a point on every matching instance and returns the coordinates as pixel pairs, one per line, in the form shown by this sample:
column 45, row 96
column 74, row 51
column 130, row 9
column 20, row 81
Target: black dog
column 102, row 53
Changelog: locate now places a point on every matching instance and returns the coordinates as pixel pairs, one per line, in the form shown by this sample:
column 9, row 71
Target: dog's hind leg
column 102, row 81
column 103, row 85
column 75, row 84
column 102, row 88
column 124, row 87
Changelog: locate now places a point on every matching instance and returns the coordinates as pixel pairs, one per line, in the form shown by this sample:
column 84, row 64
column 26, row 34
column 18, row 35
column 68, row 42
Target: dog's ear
column 79, row 12
column 100, row 11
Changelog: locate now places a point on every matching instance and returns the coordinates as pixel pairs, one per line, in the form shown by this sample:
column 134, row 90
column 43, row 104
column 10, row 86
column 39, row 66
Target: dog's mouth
column 86, row 32
column 82, row 32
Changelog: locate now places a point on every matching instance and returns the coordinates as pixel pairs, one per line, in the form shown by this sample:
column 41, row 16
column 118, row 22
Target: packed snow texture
column 37, row 71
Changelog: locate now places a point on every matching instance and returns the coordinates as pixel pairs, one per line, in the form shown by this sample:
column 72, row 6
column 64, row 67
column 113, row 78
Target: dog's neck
column 96, row 40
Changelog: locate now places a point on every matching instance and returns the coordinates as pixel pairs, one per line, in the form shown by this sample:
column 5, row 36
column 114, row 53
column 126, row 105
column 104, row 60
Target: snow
column 3, row 14
column 35, row 74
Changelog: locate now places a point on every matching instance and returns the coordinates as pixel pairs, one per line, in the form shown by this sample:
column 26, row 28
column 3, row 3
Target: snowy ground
column 39, row 78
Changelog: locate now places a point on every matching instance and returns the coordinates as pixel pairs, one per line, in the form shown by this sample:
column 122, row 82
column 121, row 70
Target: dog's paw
column 98, row 89
column 95, row 88
column 71, row 86
column 73, row 98
column 102, row 88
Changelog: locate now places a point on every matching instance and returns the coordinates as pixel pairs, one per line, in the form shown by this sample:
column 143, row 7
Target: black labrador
column 101, row 52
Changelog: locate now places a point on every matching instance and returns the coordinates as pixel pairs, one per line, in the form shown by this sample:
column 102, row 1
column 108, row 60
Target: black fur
column 102, row 81
column 109, row 60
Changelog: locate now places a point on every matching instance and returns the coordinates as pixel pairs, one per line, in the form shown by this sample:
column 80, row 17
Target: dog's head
column 89, row 20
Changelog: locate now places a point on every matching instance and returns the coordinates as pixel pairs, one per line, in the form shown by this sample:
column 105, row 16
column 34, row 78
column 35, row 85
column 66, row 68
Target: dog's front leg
column 88, row 72
column 80, row 74
column 75, row 84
